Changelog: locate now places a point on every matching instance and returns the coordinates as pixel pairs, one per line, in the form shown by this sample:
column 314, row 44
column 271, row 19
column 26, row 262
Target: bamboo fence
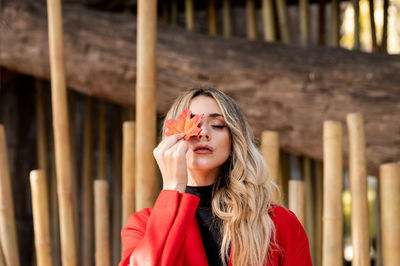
column 227, row 18
column 102, row 223
column 128, row 170
column 297, row 199
column 270, row 151
column 332, row 184
column 101, row 166
column 212, row 18
column 251, row 20
column 189, row 12
column 8, row 233
column 390, row 213
column 358, row 188
column 61, row 134
column 316, row 201
column 146, row 179
column 41, row 218
column 117, row 185
column 87, row 235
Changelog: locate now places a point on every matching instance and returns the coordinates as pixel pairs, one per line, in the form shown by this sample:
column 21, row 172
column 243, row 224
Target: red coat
column 168, row 235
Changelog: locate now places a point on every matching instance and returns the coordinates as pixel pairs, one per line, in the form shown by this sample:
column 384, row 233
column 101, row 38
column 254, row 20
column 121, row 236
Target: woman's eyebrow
column 210, row 115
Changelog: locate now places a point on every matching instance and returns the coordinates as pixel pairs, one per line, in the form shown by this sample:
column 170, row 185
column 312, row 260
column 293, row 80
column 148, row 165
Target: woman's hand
column 170, row 155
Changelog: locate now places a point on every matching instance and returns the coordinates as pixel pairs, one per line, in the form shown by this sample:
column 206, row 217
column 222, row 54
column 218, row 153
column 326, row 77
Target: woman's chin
column 201, row 165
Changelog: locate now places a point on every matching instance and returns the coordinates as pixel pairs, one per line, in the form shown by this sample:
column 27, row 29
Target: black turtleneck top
column 209, row 230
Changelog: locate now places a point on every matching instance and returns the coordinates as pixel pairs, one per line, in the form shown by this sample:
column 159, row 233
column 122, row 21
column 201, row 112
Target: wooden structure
column 61, row 135
column 102, row 223
column 146, row 179
column 390, row 206
column 333, row 181
column 8, row 234
column 270, row 151
column 287, row 90
column 360, row 79
column 358, row 187
column 41, row 218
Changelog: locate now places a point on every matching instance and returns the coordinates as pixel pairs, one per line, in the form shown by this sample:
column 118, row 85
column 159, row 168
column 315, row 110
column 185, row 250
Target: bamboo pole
column 318, row 188
column 128, row 170
column 189, row 14
column 309, row 204
column 101, row 223
column 41, row 141
column 61, row 134
column 335, row 23
column 284, row 176
column 373, row 28
column 87, row 185
column 54, row 213
column 268, row 20
column 251, row 20
column 305, row 22
column 296, row 199
column 356, row 6
column 8, row 232
column 212, row 18
column 270, row 151
column 41, row 218
column 321, row 23
column 146, row 186
column 41, row 132
column 116, row 209
column 74, row 161
column 378, row 225
column 174, row 12
column 332, row 204
column 358, row 188
column 283, row 19
column 383, row 46
column 102, row 162
column 164, row 12
column 390, row 213
column 227, row 18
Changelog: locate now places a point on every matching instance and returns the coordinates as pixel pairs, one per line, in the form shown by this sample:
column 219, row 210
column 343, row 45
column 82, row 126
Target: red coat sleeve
column 291, row 239
column 156, row 236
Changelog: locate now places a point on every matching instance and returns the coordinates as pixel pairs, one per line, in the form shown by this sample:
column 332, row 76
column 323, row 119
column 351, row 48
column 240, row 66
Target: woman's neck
column 202, row 178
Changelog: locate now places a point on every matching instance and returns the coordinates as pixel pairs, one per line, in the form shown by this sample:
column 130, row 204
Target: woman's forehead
column 205, row 105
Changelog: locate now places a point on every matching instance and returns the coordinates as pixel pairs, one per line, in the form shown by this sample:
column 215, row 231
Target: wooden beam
column 303, row 86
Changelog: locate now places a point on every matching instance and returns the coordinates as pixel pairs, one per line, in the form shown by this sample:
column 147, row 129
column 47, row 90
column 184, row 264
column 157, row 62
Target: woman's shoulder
column 291, row 242
column 282, row 216
column 290, row 236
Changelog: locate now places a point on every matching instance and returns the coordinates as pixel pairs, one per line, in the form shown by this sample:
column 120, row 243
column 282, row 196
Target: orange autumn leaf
column 185, row 124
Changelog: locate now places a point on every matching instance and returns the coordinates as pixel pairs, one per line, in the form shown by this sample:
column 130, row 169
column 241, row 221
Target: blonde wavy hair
column 242, row 196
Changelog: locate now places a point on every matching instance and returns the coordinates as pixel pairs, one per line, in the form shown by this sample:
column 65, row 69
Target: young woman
column 215, row 207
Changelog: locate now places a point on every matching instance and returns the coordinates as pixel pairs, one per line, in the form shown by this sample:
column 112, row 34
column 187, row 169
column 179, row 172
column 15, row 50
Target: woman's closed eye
column 219, row 126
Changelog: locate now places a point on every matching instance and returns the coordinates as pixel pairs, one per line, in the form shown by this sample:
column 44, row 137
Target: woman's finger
column 181, row 147
column 169, row 141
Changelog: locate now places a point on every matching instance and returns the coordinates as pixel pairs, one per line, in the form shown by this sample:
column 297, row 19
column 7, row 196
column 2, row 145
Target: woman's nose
column 204, row 135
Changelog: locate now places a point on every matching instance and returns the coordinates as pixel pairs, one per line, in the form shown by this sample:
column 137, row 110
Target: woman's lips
column 203, row 149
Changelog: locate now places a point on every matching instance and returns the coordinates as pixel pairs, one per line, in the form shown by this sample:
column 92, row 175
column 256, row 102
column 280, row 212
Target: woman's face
column 208, row 151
